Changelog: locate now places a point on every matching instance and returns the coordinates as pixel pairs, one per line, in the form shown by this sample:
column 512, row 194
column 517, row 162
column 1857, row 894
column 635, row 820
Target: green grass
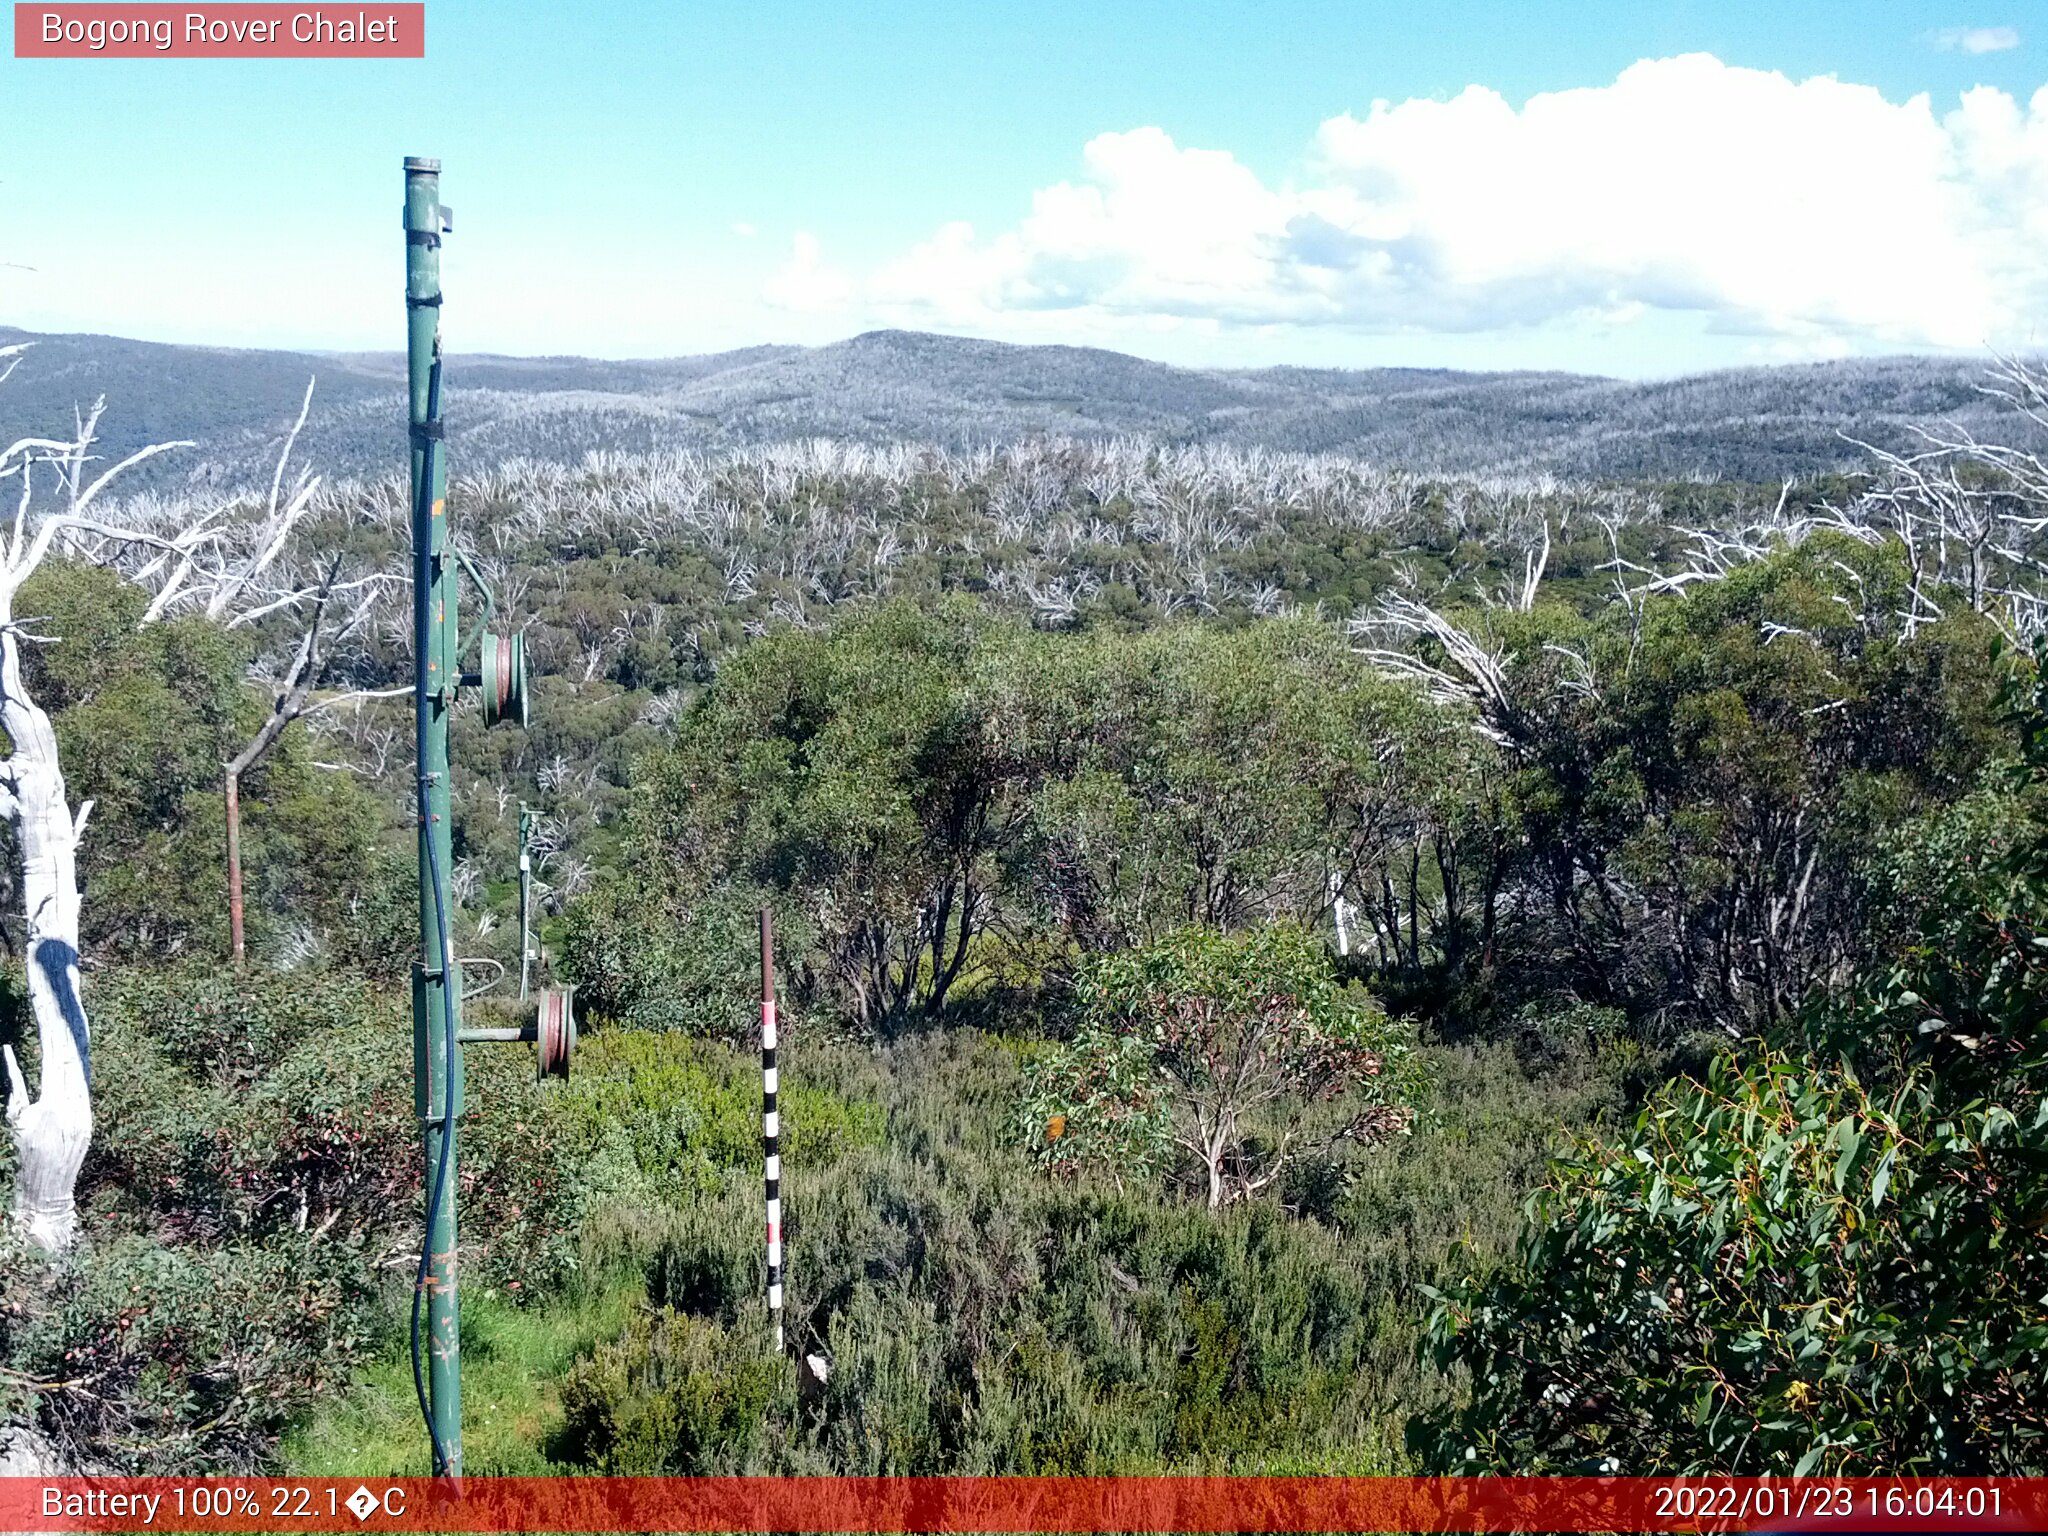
column 513, row 1362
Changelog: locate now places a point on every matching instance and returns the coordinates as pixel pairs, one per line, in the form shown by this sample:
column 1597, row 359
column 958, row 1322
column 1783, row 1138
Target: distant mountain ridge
column 1757, row 424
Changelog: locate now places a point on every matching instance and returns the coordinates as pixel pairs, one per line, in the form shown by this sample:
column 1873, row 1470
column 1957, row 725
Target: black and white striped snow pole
column 771, row 1125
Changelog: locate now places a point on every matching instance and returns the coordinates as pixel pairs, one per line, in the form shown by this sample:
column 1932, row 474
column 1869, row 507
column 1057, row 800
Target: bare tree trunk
column 1214, row 1149
column 231, row 783
column 292, row 701
column 51, row 1132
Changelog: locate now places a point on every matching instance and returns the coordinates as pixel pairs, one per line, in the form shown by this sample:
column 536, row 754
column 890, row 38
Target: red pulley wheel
column 502, row 674
column 556, row 1031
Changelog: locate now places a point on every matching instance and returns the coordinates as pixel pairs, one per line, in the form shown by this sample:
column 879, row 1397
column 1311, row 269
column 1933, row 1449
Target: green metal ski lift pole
column 437, row 981
column 500, row 679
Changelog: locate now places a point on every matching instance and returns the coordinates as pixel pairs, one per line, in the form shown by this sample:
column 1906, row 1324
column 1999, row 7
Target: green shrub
column 1780, row 1271
column 673, row 1395
column 254, row 1185
column 709, row 1263
column 637, row 962
column 374, row 923
column 160, row 1360
column 979, row 1320
column 236, row 1105
column 682, row 1111
column 223, row 1027
column 1240, row 1055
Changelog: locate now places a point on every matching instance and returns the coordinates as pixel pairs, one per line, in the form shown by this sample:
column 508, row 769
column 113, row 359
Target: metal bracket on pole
column 483, row 587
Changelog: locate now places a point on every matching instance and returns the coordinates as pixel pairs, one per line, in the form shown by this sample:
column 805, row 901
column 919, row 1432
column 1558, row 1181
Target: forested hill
column 1756, row 424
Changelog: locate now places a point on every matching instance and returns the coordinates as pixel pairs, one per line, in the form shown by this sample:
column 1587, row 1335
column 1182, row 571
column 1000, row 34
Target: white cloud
column 805, row 283
column 1812, row 215
column 1977, row 39
column 744, row 230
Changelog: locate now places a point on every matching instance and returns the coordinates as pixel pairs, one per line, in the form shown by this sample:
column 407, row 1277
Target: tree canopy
column 1824, row 1255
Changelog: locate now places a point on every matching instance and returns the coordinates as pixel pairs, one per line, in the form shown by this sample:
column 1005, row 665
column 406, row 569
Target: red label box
column 367, row 29
column 956, row 1506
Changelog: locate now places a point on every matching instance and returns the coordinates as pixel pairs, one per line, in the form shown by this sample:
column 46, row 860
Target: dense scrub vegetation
column 1210, row 890
column 1675, row 818
column 979, row 1315
column 1825, row 1252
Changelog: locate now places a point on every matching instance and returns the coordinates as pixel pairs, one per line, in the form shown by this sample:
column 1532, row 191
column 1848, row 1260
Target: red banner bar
column 1054, row 1504
column 372, row 30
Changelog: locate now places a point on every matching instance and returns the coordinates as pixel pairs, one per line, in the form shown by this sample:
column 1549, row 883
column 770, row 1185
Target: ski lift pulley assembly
column 500, row 674
column 552, row 1030
column 502, row 677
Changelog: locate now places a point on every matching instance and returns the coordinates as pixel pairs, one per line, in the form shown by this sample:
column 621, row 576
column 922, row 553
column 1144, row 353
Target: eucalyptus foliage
column 1824, row 1256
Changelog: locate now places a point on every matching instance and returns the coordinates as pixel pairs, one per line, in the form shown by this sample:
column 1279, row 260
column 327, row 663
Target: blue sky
column 1631, row 188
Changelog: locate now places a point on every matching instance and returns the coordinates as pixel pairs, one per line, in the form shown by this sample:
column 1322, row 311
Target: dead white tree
column 52, row 1128
column 231, row 571
column 1472, row 673
column 1971, row 514
column 335, row 611
column 250, row 571
column 259, row 584
column 1535, row 561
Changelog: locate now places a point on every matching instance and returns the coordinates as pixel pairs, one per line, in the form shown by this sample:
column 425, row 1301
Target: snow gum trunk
column 51, row 1131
